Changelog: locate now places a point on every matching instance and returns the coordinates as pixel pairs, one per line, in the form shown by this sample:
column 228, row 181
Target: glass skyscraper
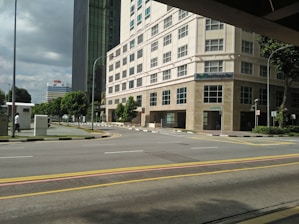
column 96, row 30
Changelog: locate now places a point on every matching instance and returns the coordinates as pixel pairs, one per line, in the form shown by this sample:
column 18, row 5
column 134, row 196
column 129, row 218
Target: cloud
column 44, row 44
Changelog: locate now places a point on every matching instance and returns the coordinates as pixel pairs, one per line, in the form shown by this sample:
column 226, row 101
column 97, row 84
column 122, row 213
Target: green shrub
column 270, row 130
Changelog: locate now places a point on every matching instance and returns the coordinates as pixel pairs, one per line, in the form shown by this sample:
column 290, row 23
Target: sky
column 43, row 46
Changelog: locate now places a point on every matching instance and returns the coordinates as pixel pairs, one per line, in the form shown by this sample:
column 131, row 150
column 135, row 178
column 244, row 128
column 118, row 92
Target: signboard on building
column 219, row 75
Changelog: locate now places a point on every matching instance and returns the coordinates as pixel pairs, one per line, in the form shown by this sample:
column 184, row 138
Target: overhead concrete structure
column 274, row 18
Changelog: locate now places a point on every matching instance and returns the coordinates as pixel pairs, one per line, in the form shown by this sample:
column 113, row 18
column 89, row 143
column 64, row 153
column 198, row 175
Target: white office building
column 189, row 71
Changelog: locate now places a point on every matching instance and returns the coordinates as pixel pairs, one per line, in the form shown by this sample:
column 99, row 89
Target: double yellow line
column 145, row 168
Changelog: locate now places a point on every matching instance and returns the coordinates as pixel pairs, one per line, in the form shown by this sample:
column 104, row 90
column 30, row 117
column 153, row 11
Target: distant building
column 96, row 30
column 57, row 89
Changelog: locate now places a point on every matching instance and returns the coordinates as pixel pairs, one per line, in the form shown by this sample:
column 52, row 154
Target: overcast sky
column 44, row 44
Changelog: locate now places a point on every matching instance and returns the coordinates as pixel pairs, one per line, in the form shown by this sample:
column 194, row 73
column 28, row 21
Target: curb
column 53, row 139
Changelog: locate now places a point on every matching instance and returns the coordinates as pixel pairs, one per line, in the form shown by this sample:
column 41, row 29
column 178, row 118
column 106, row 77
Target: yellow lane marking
column 144, row 168
column 273, row 216
column 260, row 142
column 145, row 180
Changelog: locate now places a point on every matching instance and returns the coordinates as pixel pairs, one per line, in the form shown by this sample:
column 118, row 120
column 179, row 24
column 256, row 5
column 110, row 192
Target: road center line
column 119, row 152
column 15, row 157
column 212, row 147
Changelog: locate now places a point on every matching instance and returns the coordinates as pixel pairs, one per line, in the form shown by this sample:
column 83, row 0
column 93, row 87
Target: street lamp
column 14, row 76
column 268, row 83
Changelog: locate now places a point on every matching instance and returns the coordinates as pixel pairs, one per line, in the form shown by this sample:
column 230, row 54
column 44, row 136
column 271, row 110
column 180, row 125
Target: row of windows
column 166, row 75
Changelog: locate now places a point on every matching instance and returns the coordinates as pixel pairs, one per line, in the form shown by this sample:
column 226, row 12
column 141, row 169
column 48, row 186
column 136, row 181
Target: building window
column 139, row 68
column 214, row 45
column 124, row 74
column 154, row 62
column 111, row 56
column 295, row 100
column 183, row 31
column 132, row 10
column 166, row 97
column 139, row 100
column 167, row 22
column 182, row 14
column 117, row 53
column 131, row 84
column 116, row 101
column 182, row 51
column 280, row 76
column 110, row 102
column 213, row 94
column 212, row 24
column 140, row 53
column 140, row 39
column 247, row 47
column 147, row 12
column 125, row 48
column 125, row 61
column 131, row 71
column 155, row 30
column 123, row 100
column 167, row 74
column 182, row 70
column 167, row 40
column 246, row 95
column 154, row 46
column 263, row 71
column 110, row 68
column 153, row 99
column 139, row 4
column 213, row 66
column 116, row 88
column 132, row 57
column 132, row 44
column 132, row 25
column 111, row 78
column 117, row 76
column 167, row 57
column 181, row 95
column 124, row 86
column 117, row 64
column 110, row 90
column 139, row 82
column 154, row 78
column 279, row 98
column 246, row 68
column 263, row 97
column 139, row 19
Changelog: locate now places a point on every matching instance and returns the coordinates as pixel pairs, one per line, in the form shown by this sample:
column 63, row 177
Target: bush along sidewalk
column 289, row 130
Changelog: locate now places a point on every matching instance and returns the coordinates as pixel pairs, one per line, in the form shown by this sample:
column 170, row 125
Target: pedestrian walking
column 17, row 122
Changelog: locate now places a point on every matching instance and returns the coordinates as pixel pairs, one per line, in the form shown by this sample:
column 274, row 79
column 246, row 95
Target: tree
column 286, row 62
column 130, row 109
column 2, row 97
column 75, row 103
column 119, row 111
column 55, row 107
column 21, row 95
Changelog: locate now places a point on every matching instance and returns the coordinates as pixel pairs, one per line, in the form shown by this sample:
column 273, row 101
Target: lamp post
column 14, row 76
column 268, row 83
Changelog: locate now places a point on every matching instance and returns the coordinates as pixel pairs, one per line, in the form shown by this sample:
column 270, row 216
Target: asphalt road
column 139, row 177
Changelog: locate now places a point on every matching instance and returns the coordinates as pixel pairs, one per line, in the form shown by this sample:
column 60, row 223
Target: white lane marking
column 205, row 147
column 15, row 157
column 133, row 151
column 98, row 145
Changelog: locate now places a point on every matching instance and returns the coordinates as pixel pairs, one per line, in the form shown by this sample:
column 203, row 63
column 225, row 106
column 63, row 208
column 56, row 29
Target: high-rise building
column 96, row 30
column 191, row 72
column 57, row 89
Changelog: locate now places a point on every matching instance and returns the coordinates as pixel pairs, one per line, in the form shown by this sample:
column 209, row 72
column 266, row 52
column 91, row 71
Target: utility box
column 3, row 125
column 40, row 125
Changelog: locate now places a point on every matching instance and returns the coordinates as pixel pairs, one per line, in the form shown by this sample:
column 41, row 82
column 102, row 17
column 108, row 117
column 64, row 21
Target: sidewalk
column 55, row 132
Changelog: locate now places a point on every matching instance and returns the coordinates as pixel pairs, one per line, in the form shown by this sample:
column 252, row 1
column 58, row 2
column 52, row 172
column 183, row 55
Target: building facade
column 57, row 89
column 96, row 30
column 190, row 72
